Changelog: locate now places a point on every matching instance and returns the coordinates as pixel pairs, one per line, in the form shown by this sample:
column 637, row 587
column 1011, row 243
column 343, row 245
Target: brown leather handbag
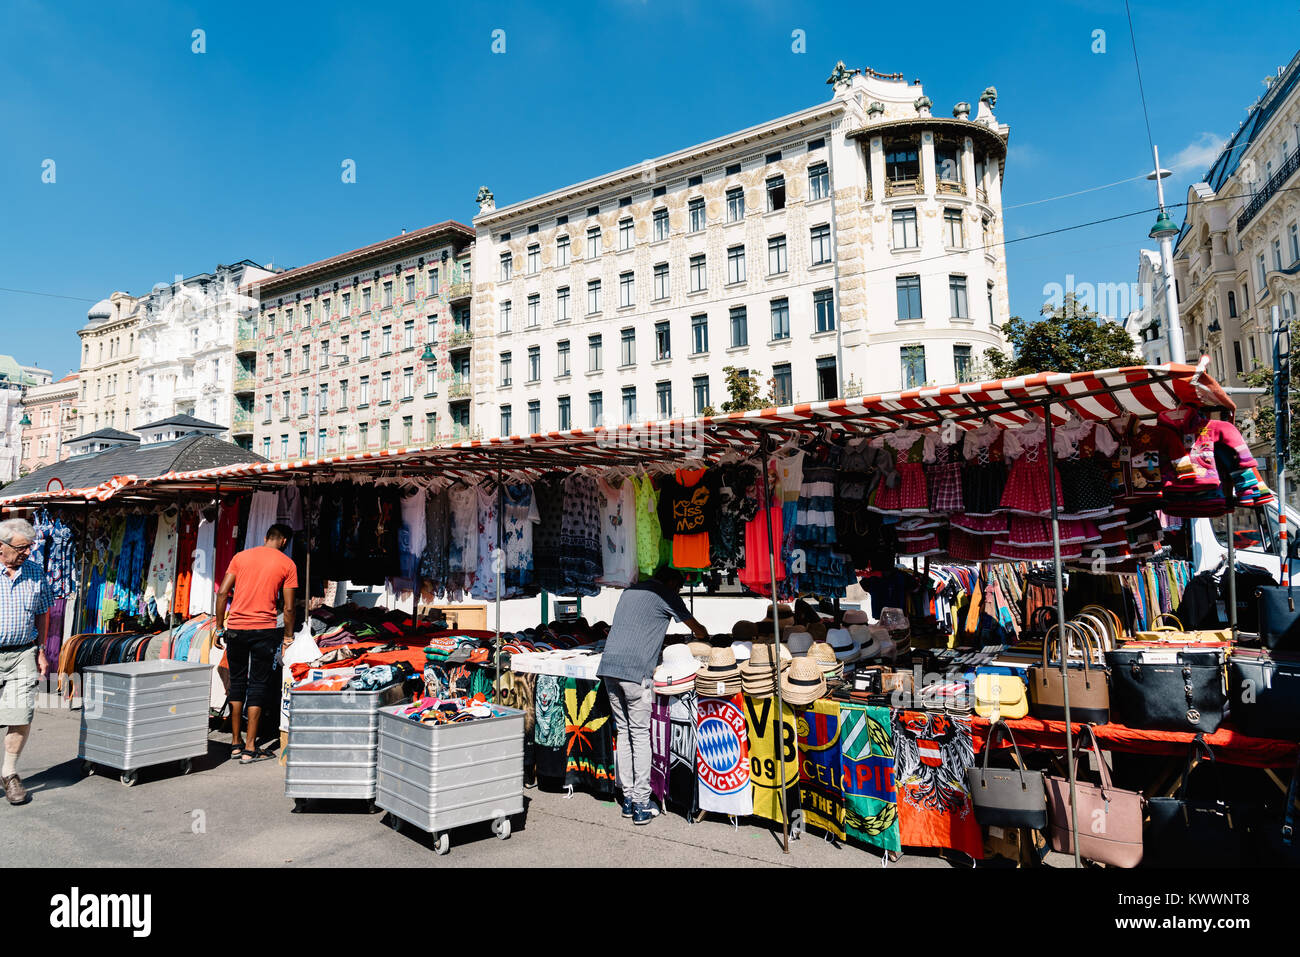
column 1110, row 819
column 1089, row 685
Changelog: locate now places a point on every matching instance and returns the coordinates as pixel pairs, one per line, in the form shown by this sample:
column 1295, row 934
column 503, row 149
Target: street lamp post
column 1164, row 232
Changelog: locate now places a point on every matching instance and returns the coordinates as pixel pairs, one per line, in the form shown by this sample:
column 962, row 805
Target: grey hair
column 14, row 527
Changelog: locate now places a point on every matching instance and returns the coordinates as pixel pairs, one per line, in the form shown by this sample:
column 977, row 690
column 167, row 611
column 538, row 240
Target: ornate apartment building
column 855, row 246
column 51, row 411
column 365, row 350
column 186, row 342
column 15, row 382
column 1145, row 323
column 110, row 360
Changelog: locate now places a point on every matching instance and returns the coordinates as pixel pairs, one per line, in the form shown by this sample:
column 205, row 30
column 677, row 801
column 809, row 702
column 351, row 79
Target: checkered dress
column 944, row 479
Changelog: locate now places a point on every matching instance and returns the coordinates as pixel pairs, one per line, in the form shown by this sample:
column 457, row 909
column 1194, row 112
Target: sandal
column 236, row 750
column 249, row 757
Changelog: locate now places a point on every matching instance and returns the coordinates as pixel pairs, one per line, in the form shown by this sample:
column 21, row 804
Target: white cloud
column 1194, row 159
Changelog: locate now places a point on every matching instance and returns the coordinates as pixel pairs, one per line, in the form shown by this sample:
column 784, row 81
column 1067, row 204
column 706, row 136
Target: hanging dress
column 943, row 478
column 580, row 546
column 648, row 534
column 618, row 533
column 1082, row 448
column 911, row 451
column 985, row 476
column 756, row 575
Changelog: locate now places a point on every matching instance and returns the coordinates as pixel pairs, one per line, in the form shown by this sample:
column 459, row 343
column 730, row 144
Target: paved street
column 224, row 815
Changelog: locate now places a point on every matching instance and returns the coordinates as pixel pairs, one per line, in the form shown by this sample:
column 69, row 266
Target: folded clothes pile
column 451, row 710
column 380, row 676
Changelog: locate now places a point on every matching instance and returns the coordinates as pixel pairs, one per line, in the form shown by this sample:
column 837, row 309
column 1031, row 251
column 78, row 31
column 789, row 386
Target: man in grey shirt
column 627, row 666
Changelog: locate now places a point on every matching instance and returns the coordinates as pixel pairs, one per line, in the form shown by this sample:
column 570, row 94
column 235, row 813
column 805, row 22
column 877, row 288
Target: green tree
column 1068, row 338
column 1258, row 424
column 745, row 392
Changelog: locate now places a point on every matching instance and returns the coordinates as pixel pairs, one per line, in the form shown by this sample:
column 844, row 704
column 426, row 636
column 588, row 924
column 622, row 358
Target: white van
column 1255, row 538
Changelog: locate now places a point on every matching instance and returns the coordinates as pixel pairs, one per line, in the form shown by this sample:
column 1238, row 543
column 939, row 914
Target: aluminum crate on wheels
column 333, row 736
column 440, row 776
column 142, row 713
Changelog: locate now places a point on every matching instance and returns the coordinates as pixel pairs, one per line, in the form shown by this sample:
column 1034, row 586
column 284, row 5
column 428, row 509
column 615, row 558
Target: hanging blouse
column 488, row 565
column 433, row 562
column 688, row 512
column 520, row 517
column 462, row 545
column 648, row 533
column 618, row 532
column 580, row 545
column 549, row 492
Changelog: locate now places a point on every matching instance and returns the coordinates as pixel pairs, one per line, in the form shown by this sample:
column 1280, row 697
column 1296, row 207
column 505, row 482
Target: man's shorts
column 20, row 676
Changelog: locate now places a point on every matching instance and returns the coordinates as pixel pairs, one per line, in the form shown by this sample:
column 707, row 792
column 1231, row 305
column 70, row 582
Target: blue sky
column 168, row 161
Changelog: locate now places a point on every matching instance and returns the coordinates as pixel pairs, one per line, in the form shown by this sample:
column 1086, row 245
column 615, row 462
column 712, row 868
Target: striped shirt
column 22, row 598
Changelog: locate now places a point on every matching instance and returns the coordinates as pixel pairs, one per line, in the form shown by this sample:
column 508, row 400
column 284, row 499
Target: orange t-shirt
column 260, row 575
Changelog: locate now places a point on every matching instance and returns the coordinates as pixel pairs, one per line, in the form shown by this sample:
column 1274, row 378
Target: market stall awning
column 1144, row 391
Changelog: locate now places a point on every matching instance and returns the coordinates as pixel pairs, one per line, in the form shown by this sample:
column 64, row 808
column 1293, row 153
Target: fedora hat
column 818, row 630
column 824, row 655
column 700, row 650
column 803, row 682
column 742, row 650
column 744, row 630
column 868, row 643
column 677, row 673
column 720, row 676
column 856, row 616
column 798, row 641
column 760, row 662
column 784, row 613
column 843, row 643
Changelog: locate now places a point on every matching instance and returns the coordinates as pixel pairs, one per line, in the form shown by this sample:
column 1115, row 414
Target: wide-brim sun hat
column 823, row 654
column 721, row 675
column 678, row 669
column 803, row 682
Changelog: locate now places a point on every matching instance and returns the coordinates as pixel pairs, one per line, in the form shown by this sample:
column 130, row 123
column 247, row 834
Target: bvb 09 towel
column 819, row 767
column 722, row 756
column 589, row 732
column 867, row 753
column 932, row 752
column 771, row 743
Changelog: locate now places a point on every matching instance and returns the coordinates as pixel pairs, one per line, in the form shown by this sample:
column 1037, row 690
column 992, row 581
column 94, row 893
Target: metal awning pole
column 311, row 541
column 79, row 622
column 765, row 509
column 1232, row 572
column 216, row 545
column 499, row 564
column 1049, row 457
column 176, row 568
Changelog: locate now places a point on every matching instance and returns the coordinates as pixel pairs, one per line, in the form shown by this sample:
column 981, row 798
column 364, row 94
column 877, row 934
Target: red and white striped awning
column 1144, row 391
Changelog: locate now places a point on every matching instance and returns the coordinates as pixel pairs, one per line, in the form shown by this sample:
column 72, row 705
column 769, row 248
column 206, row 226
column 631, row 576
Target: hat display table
column 142, row 713
column 567, row 663
column 440, row 776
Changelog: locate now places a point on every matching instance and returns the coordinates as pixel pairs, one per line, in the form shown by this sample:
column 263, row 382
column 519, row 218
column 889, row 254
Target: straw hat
column 843, row 644
column 744, row 631
column 720, row 676
column 799, row 642
column 701, row 650
column 760, row 661
column 803, row 682
column 856, row 616
column 677, row 673
column 824, row 655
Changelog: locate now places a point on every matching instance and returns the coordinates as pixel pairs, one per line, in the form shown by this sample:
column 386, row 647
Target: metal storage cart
column 332, row 743
column 440, row 776
column 142, row 713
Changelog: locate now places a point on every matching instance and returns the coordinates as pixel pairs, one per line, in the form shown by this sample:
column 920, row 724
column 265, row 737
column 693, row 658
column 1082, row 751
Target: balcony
column 459, row 291
column 460, row 336
column 1266, row 193
column 245, row 382
column 245, row 338
column 952, row 187
column 242, row 422
column 905, row 186
column 461, row 387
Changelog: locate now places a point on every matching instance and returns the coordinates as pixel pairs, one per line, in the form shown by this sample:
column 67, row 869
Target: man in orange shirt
column 258, row 577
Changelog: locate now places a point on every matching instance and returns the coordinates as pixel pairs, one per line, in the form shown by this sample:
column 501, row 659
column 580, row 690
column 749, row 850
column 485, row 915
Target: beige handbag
column 1181, row 636
column 1110, row 819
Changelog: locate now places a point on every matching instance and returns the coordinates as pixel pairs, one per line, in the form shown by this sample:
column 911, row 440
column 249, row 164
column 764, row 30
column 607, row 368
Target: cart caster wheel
column 130, row 777
column 441, row 844
column 186, row 766
column 370, row 807
column 501, row 828
column 87, row 768
column 394, row 822
column 299, row 805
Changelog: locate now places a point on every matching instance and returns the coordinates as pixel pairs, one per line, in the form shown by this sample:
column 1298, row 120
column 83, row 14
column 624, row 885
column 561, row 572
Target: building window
column 284, row 446
column 432, row 289
column 776, row 256
column 827, row 381
column 408, row 382
column 430, row 426
column 561, row 251
column 699, row 334
column 365, row 344
column 775, row 193
column 625, row 289
column 506, row 377
column 562, row 304
column 410, row 291
column 962, row 365
column 386, row 387
column 627, row 347
column 739, row 327
column 595, row 356
column 735, row 264
column 343, row 395
column 819, row 181
column 663, row 340
column 953, row 230
column 534, row 259
column 781, row 318
column 266, row 447
column 1277, row 254
column 534, row 416
column 507, row 266
column 593, row 296
column 564, row 420
column 364, row 398
column 625, row 233
column 306, row 358
column 913, row 359
column 957, row 297
column 700, row 386
column 629, row 403
column 505, row 315
column 735, row 204
column 905, row 229
column 781, row 393
column 699, row 274
column 1232, row 304
column 1236, row 355
column 534, row 363
column 697, row 217
column 363, row 435
column 505, row 420
column 388, row 294
column 824, row 310
column 901, row 162
column 947, row 168
column 1295, row 243
column 266, row 408
column 302, row 444
column 821, row 244
column 990, row 292
column 322, row 397
column 593, row 242
column 661, row 224
column 562, row 358
column 347, row 304
column 596, row 409
column 385, row 434
column 387, row 340
column 664, row 400
column 302, row 401
column 534, row 310
column 408, row 334
column 909, row 297
column 660, row 281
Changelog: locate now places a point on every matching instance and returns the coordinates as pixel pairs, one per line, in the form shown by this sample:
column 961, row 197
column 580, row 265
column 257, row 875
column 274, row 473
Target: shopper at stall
column 636, row 637
column 257, row 577
column 25, row 600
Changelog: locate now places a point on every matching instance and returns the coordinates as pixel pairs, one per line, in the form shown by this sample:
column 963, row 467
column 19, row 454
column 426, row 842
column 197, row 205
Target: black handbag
column 1279, row 619
column 1265, row 692
column 1174, row 690
column 1006, row 797
column 1183, row 832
